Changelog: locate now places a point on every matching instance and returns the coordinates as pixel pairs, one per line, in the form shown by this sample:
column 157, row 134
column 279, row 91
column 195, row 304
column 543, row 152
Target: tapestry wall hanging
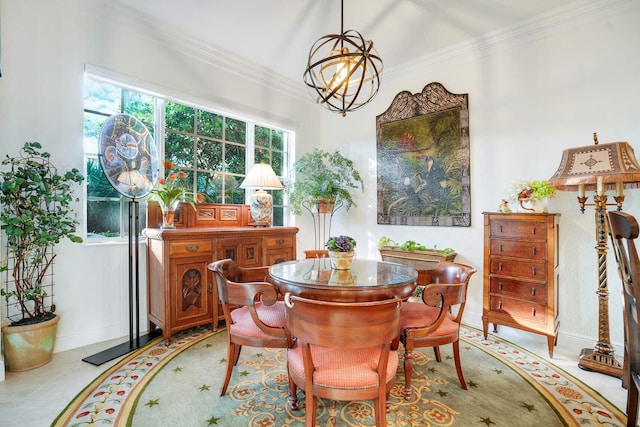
column 423, row 159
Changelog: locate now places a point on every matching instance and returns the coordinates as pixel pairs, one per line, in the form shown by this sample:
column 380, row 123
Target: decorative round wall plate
column 128, row 156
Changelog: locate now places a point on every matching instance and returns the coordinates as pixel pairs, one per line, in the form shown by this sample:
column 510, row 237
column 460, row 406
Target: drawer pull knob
column 210, row 287
column 500, row 248
column 280, row 241
column 500, row 286
column 500, row 266
column 533, row 230
column 533, row 292
column 533, row 271
column 533, row 312
column 500, row 305
column 501, row 228
column 533, row 250
column 192, row 248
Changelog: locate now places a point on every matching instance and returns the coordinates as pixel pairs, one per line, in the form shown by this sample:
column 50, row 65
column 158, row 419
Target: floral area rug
column 179, row 386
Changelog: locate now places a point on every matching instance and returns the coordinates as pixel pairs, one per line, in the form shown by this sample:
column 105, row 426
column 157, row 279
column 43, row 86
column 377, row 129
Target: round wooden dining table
column 366, row 280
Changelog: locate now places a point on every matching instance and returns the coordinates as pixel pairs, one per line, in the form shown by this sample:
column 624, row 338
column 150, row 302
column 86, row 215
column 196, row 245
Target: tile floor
column 35, row 398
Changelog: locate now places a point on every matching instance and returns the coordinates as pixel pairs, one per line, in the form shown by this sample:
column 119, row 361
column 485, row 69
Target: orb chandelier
column 343, row 71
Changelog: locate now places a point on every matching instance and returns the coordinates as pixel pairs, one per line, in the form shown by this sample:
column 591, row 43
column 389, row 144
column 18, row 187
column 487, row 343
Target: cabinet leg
column 551, row 342
column 485, row 328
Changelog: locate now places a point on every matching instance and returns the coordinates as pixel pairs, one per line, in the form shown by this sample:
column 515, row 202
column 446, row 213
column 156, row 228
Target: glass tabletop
column 364, row 273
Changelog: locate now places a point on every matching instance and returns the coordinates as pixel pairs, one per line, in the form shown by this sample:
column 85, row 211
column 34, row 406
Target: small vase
column 341, row 260
column 533, row 205
column 169, row 215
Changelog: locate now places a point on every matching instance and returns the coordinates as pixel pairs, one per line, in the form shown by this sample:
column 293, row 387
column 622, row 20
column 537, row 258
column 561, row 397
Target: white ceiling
column 277, row 34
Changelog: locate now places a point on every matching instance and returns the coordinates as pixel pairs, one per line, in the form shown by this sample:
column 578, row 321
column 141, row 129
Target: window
column 214, row 150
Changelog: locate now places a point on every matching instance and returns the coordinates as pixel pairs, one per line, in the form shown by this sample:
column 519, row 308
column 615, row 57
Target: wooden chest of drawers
column 521, row 273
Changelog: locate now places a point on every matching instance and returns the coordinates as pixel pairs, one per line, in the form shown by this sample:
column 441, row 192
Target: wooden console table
column 180, row 290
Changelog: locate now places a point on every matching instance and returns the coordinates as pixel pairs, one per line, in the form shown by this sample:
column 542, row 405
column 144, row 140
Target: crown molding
column 560, row 19
column 555, row 21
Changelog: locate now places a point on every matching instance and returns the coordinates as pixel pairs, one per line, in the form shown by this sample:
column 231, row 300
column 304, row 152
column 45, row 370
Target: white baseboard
column 68, row 342
column 567, row 344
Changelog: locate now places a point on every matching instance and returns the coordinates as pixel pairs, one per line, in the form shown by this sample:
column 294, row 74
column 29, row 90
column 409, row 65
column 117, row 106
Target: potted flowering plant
column 530, row 193
column 170, row 191
column 341, row 251
column 341, row 244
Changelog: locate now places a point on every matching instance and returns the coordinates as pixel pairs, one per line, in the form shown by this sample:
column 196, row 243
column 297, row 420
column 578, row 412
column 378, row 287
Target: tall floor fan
column 129, row 159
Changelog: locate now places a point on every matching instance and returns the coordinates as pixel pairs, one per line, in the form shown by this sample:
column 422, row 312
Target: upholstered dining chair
column 342, row 352
column 252, row 312
column 430, row 322
column 623, row 229
column 316, row 253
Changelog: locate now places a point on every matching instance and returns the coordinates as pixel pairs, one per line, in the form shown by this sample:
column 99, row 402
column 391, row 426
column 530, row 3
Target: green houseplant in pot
column 323, row 179
column 36, row 215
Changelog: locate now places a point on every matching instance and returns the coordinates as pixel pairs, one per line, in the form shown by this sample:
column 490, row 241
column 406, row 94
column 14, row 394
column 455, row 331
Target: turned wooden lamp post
column 599, row 167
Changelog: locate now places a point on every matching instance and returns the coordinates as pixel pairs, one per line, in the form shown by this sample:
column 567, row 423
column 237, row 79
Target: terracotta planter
column 29, row 346
column 341, row 260
column 326, row 206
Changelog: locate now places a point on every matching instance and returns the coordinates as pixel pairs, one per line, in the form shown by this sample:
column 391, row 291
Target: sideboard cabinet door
column 190, row 291
column 245, row 252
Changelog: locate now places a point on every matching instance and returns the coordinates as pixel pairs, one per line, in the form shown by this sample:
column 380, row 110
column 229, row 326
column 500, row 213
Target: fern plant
column 320, row 174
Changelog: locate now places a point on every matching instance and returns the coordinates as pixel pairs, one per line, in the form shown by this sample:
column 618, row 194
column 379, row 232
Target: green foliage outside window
column 210, row 148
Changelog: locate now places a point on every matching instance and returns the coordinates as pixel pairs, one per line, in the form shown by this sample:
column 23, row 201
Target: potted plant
column 341, row 251
column 36, row 216
column 322, row 177
column 413, row 253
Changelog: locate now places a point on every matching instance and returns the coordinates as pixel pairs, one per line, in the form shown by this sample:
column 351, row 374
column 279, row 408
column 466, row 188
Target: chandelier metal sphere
column 343, row 71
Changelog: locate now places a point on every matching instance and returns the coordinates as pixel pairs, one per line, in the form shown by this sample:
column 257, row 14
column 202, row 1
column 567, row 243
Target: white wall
column 527, row 103
column 45, row 46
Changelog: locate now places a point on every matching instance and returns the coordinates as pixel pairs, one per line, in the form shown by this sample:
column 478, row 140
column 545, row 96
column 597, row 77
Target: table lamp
column 599, row 167
column 261, row 177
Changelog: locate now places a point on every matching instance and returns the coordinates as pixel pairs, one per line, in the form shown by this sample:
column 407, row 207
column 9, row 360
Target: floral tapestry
column 423, row 159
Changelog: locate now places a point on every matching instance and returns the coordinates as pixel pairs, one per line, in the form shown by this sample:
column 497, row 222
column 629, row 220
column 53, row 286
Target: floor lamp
column 599, row 167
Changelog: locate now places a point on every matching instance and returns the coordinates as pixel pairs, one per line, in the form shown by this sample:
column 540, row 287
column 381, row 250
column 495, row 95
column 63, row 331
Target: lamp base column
column 261, row 206
column 593, row 360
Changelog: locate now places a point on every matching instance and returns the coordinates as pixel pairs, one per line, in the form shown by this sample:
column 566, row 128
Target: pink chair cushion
column 420, row 315
column 343, row 368
column 271, row 315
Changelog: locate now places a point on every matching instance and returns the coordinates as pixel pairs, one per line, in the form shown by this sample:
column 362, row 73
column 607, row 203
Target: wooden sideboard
column 521, row 273
column 180, row 289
